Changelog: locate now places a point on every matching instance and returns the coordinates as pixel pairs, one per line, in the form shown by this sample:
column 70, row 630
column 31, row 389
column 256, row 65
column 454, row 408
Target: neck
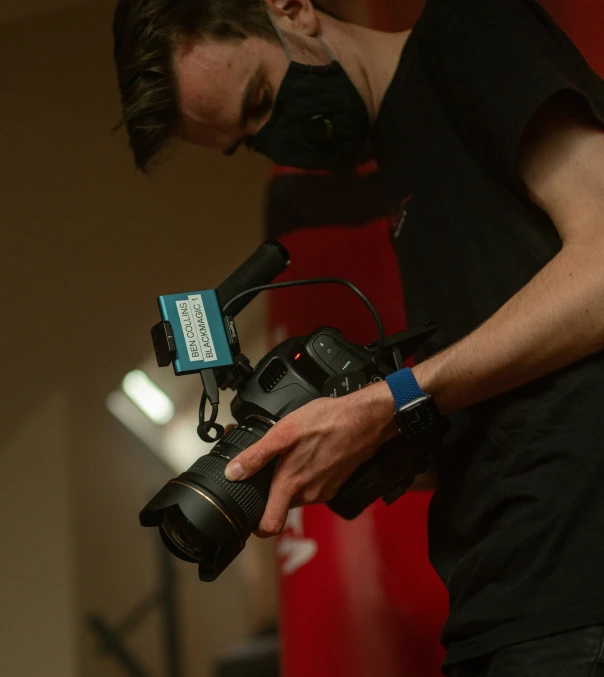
column 369, row 57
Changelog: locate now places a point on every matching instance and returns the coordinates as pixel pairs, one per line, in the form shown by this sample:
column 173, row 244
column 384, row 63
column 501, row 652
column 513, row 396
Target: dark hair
column 146, row 34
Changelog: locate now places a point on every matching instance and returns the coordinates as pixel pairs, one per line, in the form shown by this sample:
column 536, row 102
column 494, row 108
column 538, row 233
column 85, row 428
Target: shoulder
column 561, row 163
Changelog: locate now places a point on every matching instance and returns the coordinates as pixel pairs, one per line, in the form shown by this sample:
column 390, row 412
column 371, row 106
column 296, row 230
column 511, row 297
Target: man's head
column 206, row 70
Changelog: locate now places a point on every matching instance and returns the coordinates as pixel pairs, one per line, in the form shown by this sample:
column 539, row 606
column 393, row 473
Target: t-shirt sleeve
column 492, row 65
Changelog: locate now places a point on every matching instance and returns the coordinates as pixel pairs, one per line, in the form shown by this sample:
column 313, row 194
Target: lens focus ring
column 240, row 438
column 245, row 494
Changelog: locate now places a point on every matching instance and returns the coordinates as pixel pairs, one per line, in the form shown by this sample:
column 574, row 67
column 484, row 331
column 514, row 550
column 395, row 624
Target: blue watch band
column 404, row 387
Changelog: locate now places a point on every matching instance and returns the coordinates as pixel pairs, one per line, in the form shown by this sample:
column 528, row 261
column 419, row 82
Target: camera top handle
column 262, row 267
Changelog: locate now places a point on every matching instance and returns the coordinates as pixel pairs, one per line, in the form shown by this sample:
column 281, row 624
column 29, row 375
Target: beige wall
column 37, row 584
column 86, row 245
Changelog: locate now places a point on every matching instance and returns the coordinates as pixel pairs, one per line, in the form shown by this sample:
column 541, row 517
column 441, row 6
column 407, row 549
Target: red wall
column 583, row 20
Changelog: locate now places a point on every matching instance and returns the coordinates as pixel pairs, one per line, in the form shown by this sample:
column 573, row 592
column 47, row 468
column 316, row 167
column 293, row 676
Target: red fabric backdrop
column 583, row 20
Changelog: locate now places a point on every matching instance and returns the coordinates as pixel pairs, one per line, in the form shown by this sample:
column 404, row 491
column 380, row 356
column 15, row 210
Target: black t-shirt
column 516, row 527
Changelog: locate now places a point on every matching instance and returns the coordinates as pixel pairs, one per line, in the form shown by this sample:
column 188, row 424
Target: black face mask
column 319, row 119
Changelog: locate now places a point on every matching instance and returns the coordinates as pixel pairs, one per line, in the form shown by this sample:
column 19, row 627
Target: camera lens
column 204, row 518
column 183, row 533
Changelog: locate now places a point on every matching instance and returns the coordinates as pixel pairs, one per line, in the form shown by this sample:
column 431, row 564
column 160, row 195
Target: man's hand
column 320, row 445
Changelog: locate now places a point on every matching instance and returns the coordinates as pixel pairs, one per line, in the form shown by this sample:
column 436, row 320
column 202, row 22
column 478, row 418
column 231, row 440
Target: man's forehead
column 218, row 82
column 212, row 75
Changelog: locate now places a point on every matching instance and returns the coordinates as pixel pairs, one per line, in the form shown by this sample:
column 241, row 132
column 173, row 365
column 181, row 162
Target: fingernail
column 234, row 471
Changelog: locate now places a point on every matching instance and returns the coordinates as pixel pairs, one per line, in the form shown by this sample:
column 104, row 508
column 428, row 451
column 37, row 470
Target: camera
column 202, row 517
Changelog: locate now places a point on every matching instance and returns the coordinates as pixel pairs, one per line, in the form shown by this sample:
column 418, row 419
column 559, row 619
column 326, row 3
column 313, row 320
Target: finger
column 276, row 441
column 272, row 524
column 281, row 496
column 313, row 496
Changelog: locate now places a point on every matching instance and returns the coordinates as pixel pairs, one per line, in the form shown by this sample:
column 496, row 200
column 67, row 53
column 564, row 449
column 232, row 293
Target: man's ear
column 296, row 16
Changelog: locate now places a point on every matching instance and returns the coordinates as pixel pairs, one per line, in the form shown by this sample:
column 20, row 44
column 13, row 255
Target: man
column 487, row 126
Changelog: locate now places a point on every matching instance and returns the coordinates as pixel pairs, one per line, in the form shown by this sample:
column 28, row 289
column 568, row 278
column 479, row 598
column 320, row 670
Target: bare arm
column 558, row 318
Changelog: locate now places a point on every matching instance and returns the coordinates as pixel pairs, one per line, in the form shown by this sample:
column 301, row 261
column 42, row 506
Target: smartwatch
column 417, row 416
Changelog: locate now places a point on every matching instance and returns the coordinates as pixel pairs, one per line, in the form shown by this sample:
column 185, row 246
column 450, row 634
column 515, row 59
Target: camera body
column 324, row 364
column 206, row 519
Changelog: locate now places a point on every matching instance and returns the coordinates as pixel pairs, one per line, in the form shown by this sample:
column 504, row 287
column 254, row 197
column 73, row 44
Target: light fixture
column 150, row 399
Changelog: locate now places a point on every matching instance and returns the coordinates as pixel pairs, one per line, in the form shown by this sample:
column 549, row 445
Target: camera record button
column 326, row 348
column 345, row 362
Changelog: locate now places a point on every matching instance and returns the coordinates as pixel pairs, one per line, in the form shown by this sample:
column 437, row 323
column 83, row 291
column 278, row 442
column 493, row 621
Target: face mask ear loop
column 327, row 49
column 288, row 54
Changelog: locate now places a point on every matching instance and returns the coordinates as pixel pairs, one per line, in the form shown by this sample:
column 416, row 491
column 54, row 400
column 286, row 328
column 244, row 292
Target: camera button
column 344, row 362
column 326, row 348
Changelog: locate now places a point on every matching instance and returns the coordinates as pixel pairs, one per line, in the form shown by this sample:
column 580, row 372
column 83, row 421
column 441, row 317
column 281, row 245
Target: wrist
column 422, row 376
column 425, row 376
column 380, row 402
column 404, row 387
column 418, row 418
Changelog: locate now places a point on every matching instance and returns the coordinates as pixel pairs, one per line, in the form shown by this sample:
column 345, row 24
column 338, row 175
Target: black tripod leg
column 113, row 644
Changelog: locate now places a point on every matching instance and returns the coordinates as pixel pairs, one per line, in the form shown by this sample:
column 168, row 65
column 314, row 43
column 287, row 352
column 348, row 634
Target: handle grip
column 262, row 267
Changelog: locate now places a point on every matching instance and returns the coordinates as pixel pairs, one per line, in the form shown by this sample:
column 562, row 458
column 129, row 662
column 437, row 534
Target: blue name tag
column 199, row 331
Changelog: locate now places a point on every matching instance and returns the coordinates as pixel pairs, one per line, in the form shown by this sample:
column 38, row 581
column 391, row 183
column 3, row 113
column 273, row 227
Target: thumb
column 254, row 458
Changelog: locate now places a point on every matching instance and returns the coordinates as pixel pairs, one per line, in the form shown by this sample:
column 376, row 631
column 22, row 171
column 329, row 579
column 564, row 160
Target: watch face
column 419, row 419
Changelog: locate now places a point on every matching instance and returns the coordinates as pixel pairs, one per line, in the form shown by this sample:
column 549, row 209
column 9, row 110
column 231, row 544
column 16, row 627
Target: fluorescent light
column 124, row 409
column 150, row 399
